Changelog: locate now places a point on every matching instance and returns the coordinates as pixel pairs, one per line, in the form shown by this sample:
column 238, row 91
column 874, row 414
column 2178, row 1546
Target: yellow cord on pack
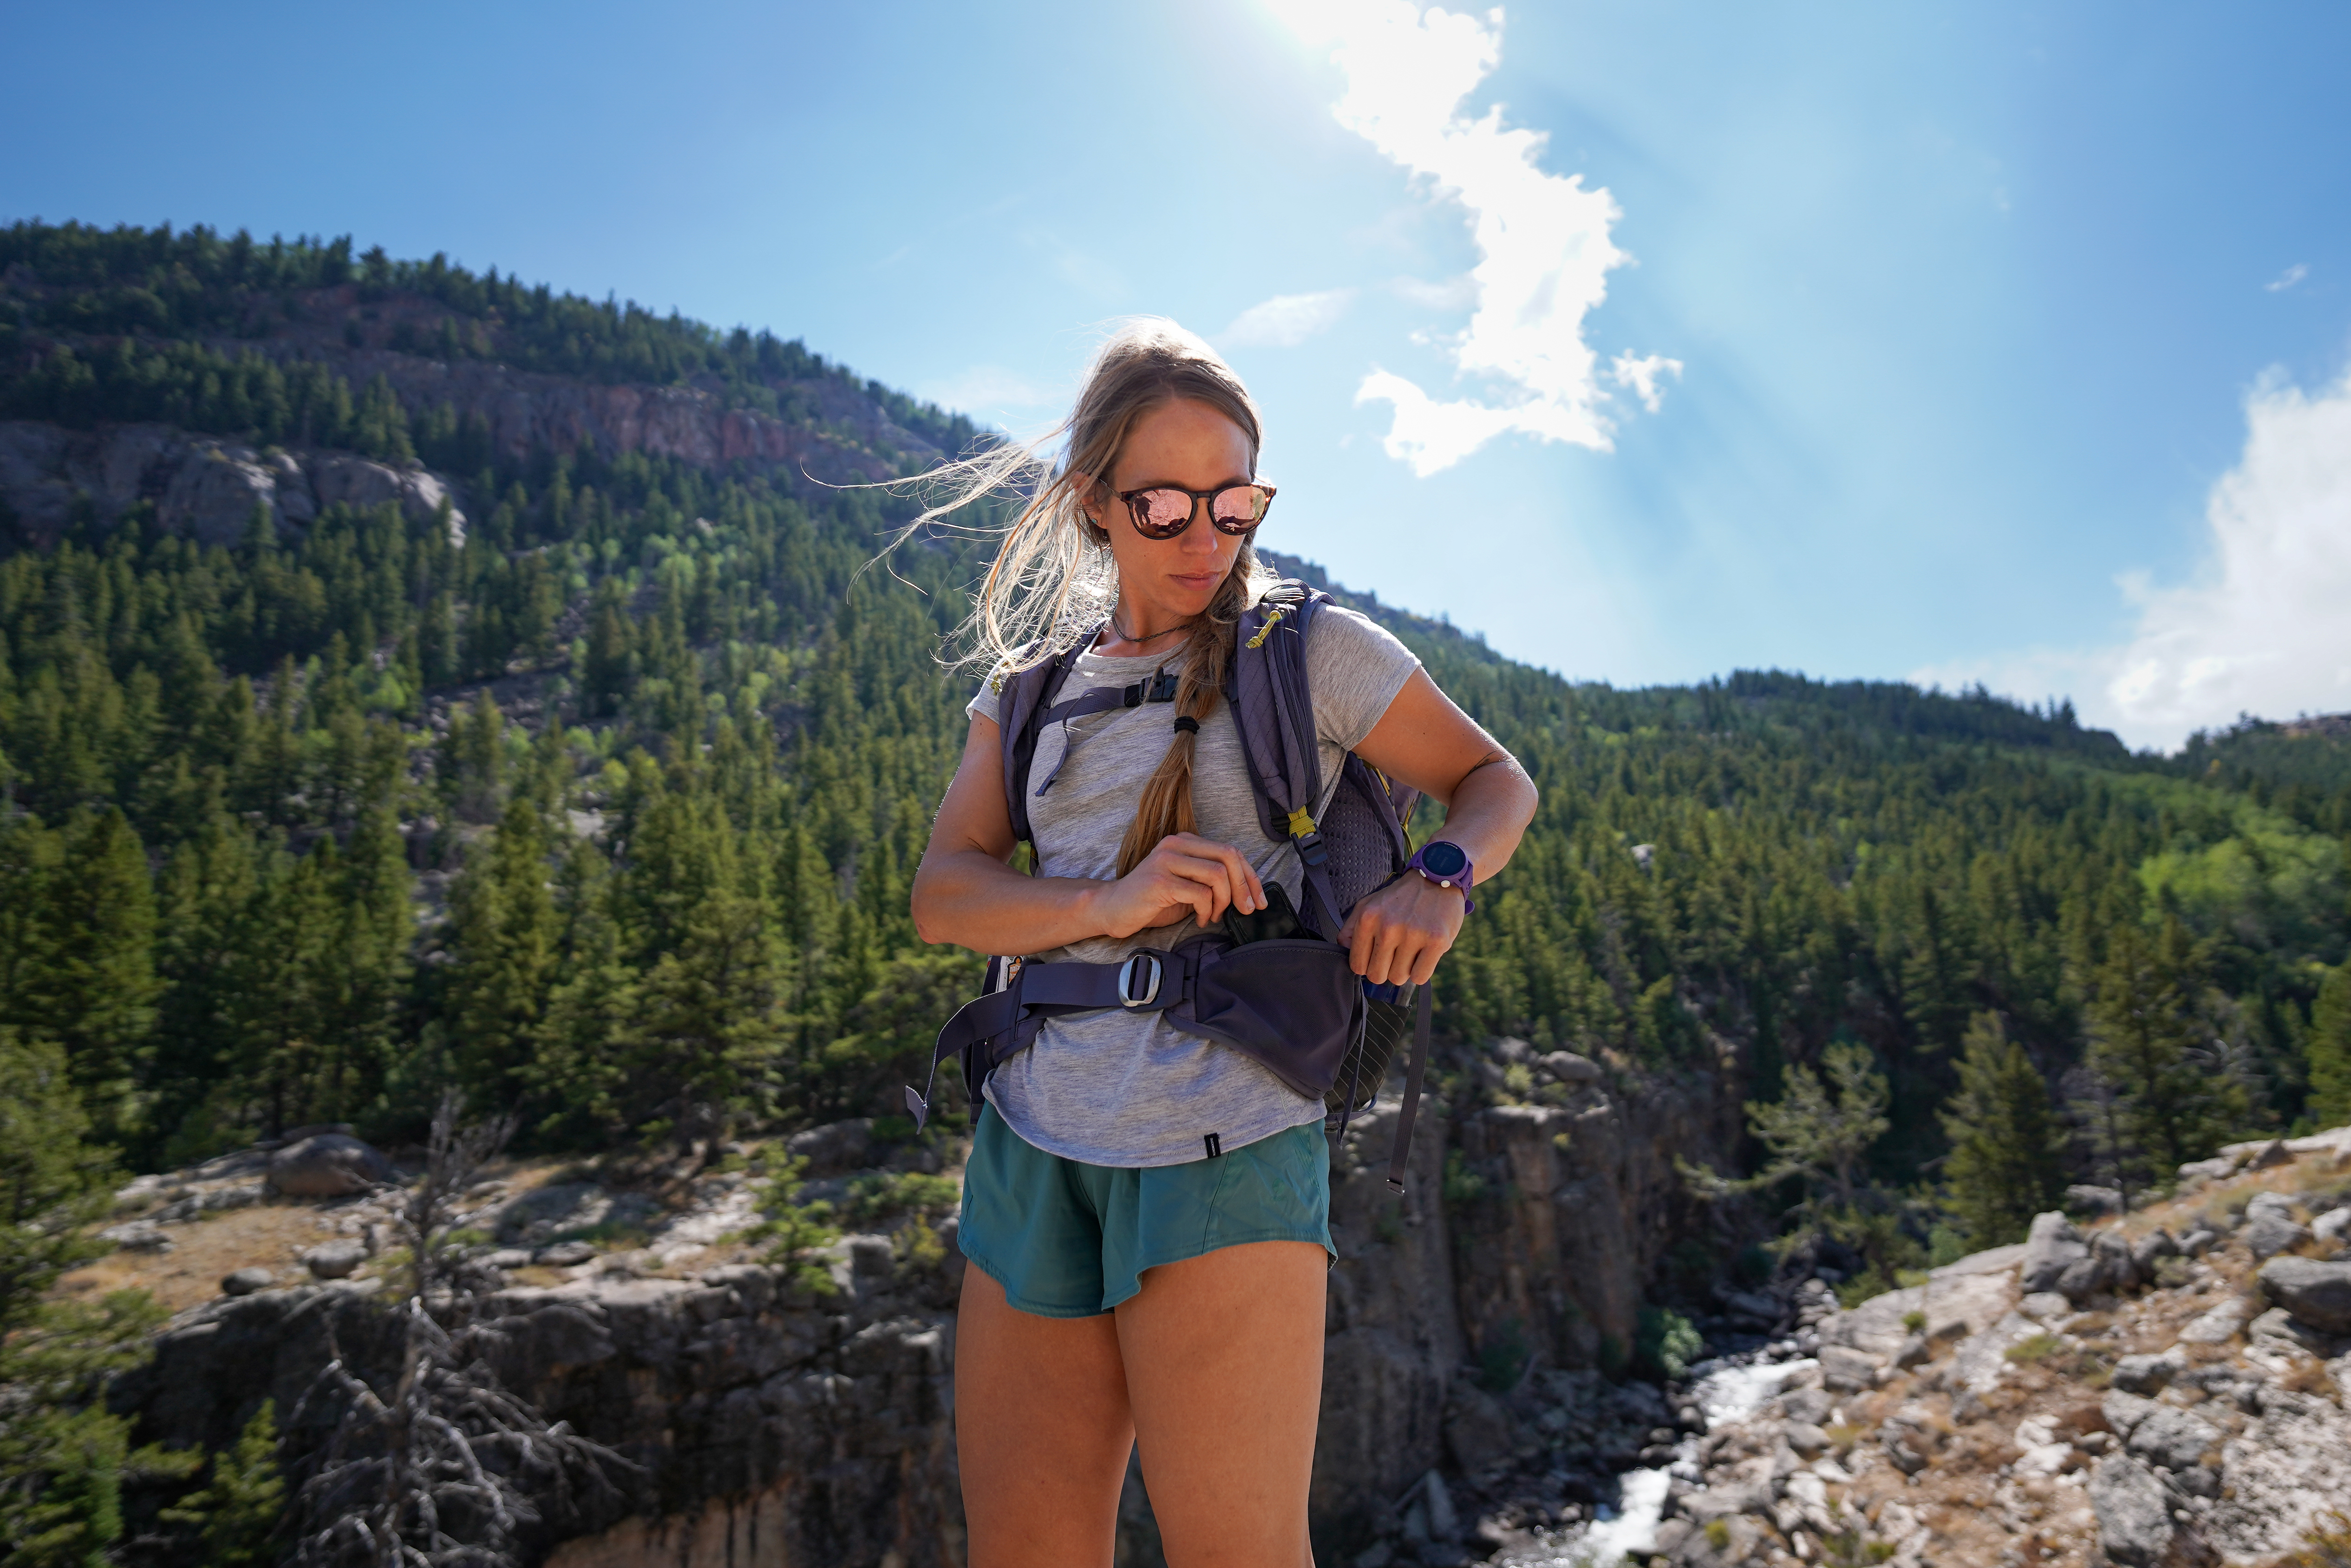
column 1300, row 824
column 1272, row 620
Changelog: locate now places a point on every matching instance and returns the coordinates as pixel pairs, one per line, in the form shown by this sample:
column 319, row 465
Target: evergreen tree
column 2007, row 1159
column 2330, row 1049
column 2149, row 1040
column 52, row 1180
column 240, row 1509
column 504, row 929
column 1823, row 1133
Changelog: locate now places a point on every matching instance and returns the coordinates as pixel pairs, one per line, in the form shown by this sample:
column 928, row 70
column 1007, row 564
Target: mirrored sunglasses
column 1165, row 512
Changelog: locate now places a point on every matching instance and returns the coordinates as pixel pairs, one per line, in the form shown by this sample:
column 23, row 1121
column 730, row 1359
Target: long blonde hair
column 1053, row 580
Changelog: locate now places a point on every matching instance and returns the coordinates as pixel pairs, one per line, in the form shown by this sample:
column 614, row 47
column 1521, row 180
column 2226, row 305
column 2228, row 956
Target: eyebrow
column 1174, row 485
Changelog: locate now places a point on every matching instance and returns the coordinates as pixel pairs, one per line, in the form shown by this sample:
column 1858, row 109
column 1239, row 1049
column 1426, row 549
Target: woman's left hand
column 1399, row 932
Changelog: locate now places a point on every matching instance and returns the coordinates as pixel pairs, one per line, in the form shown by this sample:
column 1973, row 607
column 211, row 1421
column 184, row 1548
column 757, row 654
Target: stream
column 1730, row 1389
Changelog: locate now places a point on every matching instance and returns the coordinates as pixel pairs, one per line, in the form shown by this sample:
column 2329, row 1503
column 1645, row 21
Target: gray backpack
column 1290, row 1003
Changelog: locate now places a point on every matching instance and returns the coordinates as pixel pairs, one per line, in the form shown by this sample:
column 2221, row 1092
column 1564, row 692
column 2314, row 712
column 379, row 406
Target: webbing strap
column 1399, row 1156
column 1157, row 687
column 1047, row 989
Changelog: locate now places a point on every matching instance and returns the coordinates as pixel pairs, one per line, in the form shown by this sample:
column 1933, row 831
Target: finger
column 1390, row 955
column 1424, row 963
column 1246, row 885
column 1365, row 942
column 1207, row 873
column 1246, row 888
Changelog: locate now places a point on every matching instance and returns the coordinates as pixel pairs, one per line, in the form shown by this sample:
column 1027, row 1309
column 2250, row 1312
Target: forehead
column 1186, row 440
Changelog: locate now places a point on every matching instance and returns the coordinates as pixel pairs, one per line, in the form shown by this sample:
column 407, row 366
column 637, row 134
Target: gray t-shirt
column 1116, row 1088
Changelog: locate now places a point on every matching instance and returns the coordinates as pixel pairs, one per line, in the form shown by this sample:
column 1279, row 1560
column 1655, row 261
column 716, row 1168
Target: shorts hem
column 1319, row 1239
column 1020, row 1303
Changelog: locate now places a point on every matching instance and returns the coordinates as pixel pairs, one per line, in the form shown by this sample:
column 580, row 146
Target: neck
column 1134, row 623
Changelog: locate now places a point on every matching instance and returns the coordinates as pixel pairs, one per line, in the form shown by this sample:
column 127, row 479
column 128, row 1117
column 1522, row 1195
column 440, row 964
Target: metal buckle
column 1127, row 982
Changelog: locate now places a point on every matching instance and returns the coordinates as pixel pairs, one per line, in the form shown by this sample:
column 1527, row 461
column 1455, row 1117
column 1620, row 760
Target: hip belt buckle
column 1138, row 979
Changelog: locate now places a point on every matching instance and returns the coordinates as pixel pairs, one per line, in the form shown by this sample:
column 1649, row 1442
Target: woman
column 1146, row 1212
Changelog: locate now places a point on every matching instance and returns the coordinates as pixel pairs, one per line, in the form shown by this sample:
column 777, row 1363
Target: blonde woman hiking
column 1146, row 1206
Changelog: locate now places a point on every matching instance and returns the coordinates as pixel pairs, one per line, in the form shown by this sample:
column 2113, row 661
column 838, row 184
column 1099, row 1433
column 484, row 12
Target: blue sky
column 2010, row 340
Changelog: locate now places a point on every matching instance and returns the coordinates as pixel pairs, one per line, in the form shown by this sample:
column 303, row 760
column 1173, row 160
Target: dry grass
column 272, row 1235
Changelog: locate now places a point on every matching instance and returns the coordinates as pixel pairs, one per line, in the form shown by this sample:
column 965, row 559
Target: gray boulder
column 2198, row 1242
column 1844, row 1370
column 2148, row 1375
column 2318, row 1294
column 329, row 1165
column 2053, row 1247
column 833, row 1149
column 2271, row 1227
column 2118, row 1268
column 2095, row 1200
column 2173, row 1438
column 2283, row 1327
column 246, row 1281
column 2218, row 1326
column 1570, row 1068
column 2334, row 1226
column 2150, row 1251
column 335, row 1260
column 2123, row 1412
column 2134, row 1515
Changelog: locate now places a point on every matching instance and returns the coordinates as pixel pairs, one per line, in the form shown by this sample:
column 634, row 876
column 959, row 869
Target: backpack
column 1291, row 1004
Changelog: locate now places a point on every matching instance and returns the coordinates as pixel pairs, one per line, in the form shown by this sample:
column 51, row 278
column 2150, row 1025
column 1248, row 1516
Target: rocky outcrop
column 205, row 489
column 328, row 1165
column 2318, row 1294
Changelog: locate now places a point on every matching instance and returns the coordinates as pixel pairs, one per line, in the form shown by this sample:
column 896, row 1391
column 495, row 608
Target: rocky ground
column 2167, row 1388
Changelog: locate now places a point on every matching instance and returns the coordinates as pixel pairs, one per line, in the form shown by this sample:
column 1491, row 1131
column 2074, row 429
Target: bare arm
column 966, row 894
column 1423, row 740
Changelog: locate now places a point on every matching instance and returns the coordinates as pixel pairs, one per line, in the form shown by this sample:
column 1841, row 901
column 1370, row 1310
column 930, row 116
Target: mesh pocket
column 1386, row 1026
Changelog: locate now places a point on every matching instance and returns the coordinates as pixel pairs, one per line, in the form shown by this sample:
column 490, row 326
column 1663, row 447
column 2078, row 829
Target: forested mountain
column 525, row 718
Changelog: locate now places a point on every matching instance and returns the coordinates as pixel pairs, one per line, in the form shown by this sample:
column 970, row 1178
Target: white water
column 1724, row 1391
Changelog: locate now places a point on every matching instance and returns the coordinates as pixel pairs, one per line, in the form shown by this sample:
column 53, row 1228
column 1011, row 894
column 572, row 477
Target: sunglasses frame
column 1134, row 510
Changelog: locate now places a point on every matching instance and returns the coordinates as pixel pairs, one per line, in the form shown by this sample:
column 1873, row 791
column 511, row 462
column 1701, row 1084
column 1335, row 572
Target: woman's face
column 1189, row 446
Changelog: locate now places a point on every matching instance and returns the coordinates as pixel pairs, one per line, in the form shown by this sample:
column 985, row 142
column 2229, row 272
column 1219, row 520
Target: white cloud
column 1286, row 321
column 2288, row 278
column 2264, row 627
column 1641, row 376
column 1543, row 239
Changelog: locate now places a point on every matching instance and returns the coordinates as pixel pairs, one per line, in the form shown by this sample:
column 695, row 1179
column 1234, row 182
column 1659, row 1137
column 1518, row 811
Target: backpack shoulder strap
column 1022, row 702
column 1273, row 710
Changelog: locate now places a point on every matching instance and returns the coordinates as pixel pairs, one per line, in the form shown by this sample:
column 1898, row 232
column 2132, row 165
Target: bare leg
column 1224, row 1366
column 1043, row 1432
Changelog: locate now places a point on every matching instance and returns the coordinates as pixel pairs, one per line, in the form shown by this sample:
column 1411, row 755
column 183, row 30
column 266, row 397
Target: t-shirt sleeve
column 983, row 703
column 1355, row 667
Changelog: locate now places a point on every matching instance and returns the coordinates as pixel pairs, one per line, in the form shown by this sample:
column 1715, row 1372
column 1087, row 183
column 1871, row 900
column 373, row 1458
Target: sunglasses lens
column 1162, row 512
column 1238, row 507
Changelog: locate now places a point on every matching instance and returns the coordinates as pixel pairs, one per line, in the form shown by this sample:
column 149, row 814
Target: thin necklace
column 1125, row 636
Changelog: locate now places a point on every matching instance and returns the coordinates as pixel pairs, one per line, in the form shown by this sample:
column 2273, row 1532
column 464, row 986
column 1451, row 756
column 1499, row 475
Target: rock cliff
column 1464, row 1321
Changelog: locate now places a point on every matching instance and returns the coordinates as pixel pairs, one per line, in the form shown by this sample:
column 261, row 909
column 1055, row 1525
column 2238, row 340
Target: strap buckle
column 1001, row 973
column 1138, row 979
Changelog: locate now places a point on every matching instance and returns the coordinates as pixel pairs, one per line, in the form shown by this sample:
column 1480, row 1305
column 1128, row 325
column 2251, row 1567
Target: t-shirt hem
column 1117, row 1160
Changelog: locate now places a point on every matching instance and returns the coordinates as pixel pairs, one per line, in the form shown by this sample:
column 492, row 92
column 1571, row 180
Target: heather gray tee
column 1116, row 1088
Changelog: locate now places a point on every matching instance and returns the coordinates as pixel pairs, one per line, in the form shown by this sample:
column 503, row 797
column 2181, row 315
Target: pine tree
column 1819, row 1135
column 503, row 933
column 2149, row 1039
column 52, row 1181
column 240, row 1509
column 98, row 993
column 2330, row 1049
column 2006, row 1163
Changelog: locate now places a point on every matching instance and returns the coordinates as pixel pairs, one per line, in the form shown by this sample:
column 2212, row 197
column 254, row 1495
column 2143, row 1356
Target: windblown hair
column 1053, row 580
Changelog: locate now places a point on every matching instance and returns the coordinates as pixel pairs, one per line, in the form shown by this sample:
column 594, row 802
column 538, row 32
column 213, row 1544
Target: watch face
column 1442, row 859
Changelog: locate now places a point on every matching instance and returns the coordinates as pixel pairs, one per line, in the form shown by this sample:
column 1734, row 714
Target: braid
column 1166, row 804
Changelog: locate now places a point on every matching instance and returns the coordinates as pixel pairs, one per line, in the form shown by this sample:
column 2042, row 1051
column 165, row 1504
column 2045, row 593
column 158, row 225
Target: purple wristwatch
column 1447, row 865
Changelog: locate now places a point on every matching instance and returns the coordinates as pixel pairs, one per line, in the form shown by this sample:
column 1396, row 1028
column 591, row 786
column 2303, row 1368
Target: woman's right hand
column 1183, row 874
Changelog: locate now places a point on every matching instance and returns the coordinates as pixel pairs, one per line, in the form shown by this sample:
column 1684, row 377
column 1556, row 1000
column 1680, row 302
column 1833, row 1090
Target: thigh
column 1224, row 1368
column 1043, row 1432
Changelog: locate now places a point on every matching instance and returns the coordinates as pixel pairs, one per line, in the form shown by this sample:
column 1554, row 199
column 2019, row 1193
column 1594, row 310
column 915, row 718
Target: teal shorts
column 1068, row 1240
